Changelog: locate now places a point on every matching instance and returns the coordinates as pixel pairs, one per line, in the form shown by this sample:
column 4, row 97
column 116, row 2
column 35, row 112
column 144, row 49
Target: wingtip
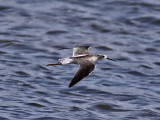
column 85, row 46
column 70, row 85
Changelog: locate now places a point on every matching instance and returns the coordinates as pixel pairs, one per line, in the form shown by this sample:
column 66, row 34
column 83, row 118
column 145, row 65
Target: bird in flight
column 84, row 59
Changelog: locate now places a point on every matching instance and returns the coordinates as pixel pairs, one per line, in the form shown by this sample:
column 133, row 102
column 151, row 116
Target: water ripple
column 35, row 33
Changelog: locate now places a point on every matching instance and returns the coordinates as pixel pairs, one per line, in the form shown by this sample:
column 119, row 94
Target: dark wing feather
column 85, row 69
column 80, row 50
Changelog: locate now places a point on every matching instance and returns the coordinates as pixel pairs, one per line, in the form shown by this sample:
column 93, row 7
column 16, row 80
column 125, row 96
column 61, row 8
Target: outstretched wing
column 85, row 69
column 80, row 50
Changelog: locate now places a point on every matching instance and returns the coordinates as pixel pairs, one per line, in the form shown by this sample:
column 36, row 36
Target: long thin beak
column 111, row 59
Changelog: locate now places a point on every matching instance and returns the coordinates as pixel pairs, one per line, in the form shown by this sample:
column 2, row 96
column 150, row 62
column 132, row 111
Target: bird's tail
column 55, row 64
column 63, row 61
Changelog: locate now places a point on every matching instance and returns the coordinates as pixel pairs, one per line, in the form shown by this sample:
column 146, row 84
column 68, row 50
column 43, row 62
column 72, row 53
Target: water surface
column 34, row 33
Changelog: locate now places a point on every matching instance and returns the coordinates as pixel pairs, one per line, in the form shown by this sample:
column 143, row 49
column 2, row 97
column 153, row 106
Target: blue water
column 34, row 33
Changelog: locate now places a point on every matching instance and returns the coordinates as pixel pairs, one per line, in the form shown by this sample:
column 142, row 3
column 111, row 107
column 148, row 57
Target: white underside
column 63, row 61
column 93, row 59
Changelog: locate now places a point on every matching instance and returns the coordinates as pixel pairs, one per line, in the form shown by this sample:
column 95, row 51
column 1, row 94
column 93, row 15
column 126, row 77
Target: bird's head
column 101, row 56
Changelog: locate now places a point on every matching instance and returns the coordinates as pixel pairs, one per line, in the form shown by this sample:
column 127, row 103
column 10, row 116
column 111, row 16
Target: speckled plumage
column 86, row 61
